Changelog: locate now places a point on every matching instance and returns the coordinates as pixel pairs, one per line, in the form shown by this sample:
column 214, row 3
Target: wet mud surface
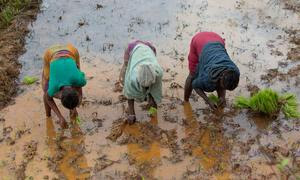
column 184, row 140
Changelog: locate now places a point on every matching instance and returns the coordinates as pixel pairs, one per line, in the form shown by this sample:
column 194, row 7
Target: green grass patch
column 9, row 9
column 270, row 102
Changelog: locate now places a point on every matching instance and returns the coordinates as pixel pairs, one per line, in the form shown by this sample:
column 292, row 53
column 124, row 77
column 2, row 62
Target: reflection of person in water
column 73, row 165
column 207, row 144
column 211, row 68
column 139, row 153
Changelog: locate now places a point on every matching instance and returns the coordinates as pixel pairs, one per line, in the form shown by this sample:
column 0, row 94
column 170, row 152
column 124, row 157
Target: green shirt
column 64, row 72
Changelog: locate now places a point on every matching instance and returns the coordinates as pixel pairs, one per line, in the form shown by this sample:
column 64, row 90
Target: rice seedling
column 283, row 163
column 213, row 98
column 152, row 111
column 270, row 102
column 78, row 120
column 290, row 105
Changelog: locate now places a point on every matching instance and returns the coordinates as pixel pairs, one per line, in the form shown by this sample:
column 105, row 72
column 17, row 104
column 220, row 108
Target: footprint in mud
column 67, row 153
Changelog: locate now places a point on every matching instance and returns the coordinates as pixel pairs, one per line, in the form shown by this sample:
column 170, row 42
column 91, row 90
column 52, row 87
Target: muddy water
column 184, row 140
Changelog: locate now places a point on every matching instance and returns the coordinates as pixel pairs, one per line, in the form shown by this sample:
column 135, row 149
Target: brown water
column 184, row 140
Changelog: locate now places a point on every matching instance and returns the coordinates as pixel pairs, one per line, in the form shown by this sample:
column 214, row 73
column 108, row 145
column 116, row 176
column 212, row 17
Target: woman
column 62, row 79
column 141, row 76
column 211, row 68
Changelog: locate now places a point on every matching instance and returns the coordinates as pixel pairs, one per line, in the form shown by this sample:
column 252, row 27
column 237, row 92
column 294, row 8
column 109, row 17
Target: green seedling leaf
column 213, row 98
column 152, row 111
column 29, row 80
column 77, row 120
column 283, row 163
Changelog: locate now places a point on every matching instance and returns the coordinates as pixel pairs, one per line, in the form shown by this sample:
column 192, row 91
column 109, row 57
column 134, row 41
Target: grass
column 9, row 9
column 270, row 102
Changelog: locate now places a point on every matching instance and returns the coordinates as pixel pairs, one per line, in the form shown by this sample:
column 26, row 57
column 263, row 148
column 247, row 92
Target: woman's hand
column 212, row 105
column 62, row 122
column 73, row 113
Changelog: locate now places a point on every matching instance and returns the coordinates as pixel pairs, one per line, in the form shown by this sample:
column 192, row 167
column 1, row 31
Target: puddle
column 184, row 141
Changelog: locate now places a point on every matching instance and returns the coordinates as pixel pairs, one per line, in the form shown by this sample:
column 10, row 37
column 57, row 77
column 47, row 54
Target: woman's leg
column 131, row 118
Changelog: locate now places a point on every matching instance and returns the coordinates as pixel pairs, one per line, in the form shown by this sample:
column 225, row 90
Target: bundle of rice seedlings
column 289, row 105
column 29, row 80
column 270, row 102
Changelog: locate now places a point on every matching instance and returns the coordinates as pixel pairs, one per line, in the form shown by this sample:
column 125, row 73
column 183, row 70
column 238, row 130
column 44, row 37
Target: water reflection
column 208, row 144
column 148, row 154
column 68, row 152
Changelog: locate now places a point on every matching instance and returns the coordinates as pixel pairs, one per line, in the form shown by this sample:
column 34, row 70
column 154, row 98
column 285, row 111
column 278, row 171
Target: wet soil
column 12, row 41
column 183, row 140
column 292, row 5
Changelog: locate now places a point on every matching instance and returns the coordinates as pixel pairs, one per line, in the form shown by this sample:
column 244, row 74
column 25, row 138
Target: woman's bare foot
column 131, row 119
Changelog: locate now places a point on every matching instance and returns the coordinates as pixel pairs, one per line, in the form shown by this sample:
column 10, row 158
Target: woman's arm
column 221, row 95
column 50, row 104
column 209, row 102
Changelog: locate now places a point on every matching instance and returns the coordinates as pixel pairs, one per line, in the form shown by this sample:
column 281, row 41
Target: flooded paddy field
column 184, row 140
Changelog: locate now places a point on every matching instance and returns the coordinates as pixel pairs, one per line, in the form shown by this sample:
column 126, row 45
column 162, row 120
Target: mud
column 276, row 74
column 292, row 5
column 294, row 53
column 183, row 140
column 30, row 149
column 12, row 41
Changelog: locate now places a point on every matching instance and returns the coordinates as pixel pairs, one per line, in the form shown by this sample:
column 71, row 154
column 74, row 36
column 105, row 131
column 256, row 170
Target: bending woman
column 141, row 76
column 211, row 68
